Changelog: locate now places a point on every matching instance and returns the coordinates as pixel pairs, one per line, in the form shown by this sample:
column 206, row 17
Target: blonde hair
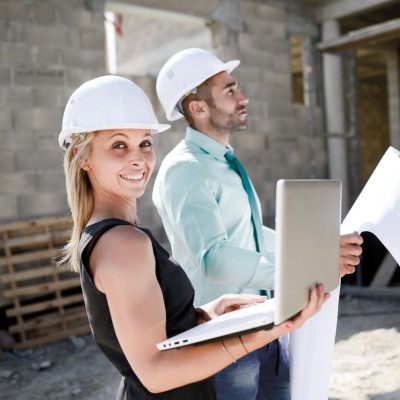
column 79, row 192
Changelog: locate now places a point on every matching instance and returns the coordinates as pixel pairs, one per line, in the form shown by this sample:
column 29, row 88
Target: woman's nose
column 136, row 158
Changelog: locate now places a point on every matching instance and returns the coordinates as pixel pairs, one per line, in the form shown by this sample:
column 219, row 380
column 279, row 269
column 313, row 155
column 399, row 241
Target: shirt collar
column 207, row 144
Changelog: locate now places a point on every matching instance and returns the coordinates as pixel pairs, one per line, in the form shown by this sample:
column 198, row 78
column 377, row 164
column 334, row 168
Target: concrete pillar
column 335, row 113
column 393, row 74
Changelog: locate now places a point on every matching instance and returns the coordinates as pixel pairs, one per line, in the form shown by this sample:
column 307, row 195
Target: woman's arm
column 123, row 267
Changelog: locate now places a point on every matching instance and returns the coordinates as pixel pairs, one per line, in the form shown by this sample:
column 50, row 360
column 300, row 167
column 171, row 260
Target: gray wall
column 48, row 48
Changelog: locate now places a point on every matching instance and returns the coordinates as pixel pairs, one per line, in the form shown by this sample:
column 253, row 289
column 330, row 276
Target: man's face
column 227, row 105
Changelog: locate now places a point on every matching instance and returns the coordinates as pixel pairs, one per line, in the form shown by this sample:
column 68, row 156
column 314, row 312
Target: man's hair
column 203, row 94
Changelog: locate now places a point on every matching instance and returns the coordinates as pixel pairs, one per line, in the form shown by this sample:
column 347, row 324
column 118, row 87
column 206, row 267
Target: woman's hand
column 228, row 303
column 252, row 341
column 317, row 298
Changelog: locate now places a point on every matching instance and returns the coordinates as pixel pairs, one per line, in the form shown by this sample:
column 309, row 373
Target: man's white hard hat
column 185, row 71
column 107, row 102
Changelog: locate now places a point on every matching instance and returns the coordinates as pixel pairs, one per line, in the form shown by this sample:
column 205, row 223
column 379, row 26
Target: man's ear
column 198, row 108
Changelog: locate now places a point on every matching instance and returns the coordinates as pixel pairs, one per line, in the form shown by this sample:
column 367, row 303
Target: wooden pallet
column 46, row 299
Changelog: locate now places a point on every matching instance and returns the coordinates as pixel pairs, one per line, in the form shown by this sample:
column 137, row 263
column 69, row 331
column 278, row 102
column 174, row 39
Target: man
column 207, row 211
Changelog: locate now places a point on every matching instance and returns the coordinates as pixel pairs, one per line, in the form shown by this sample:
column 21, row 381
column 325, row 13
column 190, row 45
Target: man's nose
column 243, row 99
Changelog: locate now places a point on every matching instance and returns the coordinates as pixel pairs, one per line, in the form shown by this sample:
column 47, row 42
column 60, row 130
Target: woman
column 135, row 295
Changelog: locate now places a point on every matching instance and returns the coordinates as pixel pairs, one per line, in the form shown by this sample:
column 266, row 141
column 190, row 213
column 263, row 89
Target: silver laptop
column 308, row 217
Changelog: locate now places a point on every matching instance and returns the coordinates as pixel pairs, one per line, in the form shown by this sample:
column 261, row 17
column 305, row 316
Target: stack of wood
column 44, row 302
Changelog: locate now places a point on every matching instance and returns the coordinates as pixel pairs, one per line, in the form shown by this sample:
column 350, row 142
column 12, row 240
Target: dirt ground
column 366, row 361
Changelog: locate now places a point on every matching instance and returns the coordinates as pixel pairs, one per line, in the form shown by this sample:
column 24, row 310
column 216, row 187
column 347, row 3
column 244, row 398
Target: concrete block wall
column 47, row 49
column 275, row 145
column 374, row 125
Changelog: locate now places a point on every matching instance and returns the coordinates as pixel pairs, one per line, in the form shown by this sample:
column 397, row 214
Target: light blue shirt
column 207, row 218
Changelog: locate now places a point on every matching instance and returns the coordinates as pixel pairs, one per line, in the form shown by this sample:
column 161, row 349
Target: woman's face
column 121, row 162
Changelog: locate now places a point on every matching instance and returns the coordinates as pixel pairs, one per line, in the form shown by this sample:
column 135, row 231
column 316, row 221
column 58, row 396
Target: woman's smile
column 133, row 177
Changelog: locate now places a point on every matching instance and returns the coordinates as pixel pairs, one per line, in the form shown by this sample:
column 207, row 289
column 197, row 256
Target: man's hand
column 350, row 251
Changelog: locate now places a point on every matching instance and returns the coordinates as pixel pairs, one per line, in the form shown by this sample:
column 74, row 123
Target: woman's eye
column 119, row 145
column 147, row 144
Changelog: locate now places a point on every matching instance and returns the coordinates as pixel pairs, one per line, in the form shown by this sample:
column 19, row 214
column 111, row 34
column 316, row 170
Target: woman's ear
column 85, row 165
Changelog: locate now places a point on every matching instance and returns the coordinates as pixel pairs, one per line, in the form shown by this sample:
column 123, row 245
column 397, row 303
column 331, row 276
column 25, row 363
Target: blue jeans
column 261, row 375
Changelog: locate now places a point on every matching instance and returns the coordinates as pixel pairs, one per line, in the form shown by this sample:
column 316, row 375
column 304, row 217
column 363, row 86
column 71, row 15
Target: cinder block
column 23, row 139
column 6, row 120
column 80, row 58
column 51, row 181
column 37, row 118
column 48, row 140
column 46, row 36
column 76, row 18
column 14, row 11
column 8, row 207
column 258, row 108
column 39, row 77
column 281, row 110
column 16, row 97
column 43, row 14
column 281, row 63
column 7, row 161
column 259, row 42
column 258, row 26
column 73, row 40
column 9, row 142
column 4, row 54
column 278, row 30
column 4, row 31
column 41, row 204
column 46, row 56
column 262, row 10
column 5, row 76
column 248, row 73
column 76, row 76
column 251, row 141
column 20, row 55
column 49, row 97
column 17, row 182
column 37, row 161
column 92, row 39
column 281, row 47
column 253, row 56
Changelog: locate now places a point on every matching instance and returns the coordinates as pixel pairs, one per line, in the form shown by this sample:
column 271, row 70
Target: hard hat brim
column 68, row 133
column 229, row 66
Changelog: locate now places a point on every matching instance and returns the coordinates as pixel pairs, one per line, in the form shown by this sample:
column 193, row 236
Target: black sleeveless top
column 178, row 296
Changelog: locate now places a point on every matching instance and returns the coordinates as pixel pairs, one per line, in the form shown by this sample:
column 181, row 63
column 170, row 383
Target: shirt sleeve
column 197, row 219
column 266, row 268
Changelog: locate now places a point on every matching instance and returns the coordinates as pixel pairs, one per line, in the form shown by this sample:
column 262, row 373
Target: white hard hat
column 107, row 102
column 185, row 71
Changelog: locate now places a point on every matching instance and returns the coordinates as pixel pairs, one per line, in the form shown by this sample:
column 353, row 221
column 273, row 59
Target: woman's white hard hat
column 107, row 102
column 185, row 71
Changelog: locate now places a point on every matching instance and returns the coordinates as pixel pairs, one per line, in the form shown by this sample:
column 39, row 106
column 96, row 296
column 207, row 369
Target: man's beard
column 221, row 120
